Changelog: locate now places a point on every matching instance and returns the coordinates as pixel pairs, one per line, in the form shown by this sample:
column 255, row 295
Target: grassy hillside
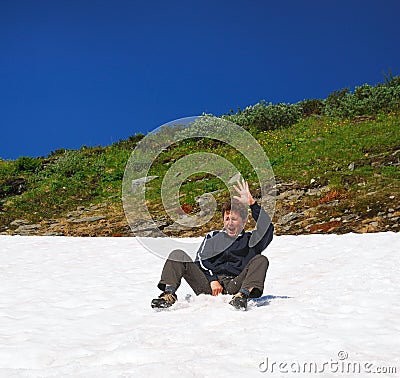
column 328, row 169
column 357, row 159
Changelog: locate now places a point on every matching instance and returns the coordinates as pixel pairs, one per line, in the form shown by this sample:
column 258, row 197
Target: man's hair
column 235, row 205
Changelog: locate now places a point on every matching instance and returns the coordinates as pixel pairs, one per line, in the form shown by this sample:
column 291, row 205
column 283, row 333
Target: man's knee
column 179, row 255
column 261, row 260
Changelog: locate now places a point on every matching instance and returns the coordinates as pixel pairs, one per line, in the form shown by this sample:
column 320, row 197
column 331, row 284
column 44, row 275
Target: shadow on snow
column 265, row 300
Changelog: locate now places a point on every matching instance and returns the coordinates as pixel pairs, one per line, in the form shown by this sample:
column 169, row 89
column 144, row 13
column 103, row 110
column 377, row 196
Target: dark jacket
column 220, row 254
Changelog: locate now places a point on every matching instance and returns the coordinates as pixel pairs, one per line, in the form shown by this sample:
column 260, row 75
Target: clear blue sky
column 83, row 72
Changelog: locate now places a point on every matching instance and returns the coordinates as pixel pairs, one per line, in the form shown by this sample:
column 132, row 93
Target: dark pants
column 179, row 265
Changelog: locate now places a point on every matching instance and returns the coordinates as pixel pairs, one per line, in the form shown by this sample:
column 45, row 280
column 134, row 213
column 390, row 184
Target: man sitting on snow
column 228, row 261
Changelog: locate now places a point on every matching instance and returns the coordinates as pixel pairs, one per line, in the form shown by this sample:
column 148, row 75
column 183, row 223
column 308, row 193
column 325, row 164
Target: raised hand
column 244, row 196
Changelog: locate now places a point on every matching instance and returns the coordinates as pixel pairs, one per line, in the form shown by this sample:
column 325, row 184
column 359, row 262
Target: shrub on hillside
column 263, row 116
column 365, row 100
column 335, row 100
column 68, row 164
column 311, row 107
column 131, row 142
column 27, row 164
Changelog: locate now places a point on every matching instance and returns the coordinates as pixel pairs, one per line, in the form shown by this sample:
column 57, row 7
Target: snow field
column 80, row 307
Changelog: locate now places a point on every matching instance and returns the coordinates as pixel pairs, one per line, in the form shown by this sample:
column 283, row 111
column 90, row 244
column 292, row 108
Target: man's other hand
column 216, row 288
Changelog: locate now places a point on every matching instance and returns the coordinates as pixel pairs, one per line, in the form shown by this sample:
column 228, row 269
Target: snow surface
column 80, row 307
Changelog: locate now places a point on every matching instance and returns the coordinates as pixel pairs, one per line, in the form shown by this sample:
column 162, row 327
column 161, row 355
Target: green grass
column 323, row 147
column 319, row 148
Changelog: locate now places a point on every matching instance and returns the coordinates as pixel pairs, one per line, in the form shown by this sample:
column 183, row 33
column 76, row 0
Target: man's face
column 233, row 223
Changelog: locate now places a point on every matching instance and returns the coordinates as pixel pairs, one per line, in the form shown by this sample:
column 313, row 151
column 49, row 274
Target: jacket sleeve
column 263, row 234
column 203, row 260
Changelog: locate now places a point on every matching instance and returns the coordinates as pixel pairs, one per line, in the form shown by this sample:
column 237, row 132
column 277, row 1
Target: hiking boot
column 239, row 301
column 165, row 300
